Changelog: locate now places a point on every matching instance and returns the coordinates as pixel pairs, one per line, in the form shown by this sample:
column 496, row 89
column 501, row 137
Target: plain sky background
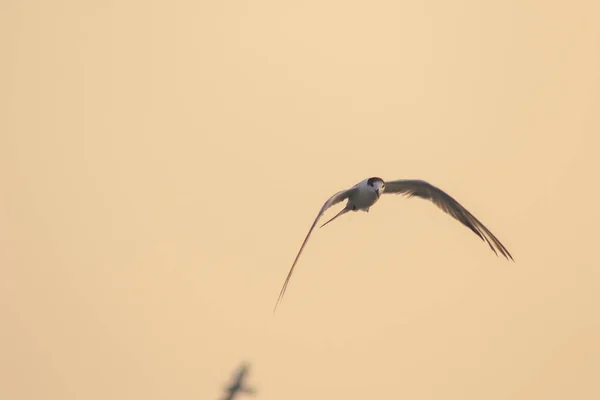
column 162, row 161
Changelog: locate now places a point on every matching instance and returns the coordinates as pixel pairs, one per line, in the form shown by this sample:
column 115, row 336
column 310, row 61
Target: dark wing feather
column 333, row 200
column 444, row 201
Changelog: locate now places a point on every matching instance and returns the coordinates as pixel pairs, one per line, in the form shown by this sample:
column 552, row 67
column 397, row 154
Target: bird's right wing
column 333, row 200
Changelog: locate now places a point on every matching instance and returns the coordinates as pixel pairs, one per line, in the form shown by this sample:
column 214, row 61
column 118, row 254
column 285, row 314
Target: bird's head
column 377, row 184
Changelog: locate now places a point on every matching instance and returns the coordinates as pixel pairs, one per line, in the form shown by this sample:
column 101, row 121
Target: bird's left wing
column 450, row 206
column 333, row 200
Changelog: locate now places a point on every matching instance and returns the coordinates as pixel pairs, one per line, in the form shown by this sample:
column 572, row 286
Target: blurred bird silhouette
column 238, row 385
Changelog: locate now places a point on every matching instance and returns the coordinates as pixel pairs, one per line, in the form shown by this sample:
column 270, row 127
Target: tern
column 367, row 192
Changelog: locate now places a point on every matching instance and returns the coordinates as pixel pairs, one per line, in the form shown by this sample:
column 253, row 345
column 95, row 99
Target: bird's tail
column 344, row 211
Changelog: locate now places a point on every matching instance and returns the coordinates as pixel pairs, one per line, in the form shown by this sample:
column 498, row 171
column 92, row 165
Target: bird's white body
column 364, row 197
column 364, row 194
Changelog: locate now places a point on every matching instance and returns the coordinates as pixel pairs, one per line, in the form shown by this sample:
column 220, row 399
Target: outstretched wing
column 248, row 390
column 336, row 198
column 450, row 206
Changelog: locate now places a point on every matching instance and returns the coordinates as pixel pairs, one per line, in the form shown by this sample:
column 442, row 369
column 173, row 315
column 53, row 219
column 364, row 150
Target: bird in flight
column 367, row 192
column 238, row 385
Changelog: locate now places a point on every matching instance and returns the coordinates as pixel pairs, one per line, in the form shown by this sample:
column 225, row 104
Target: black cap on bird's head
column 371, row 181
column 376, row 183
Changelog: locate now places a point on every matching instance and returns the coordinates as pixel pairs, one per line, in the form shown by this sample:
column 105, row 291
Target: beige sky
column 162, row 161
